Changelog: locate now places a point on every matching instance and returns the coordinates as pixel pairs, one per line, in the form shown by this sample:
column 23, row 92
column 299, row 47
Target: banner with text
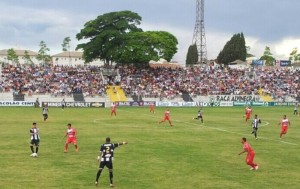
column 76, row 104
column 16, row 103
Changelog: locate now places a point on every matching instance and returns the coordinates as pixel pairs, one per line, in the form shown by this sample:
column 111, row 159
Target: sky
column 272, row 23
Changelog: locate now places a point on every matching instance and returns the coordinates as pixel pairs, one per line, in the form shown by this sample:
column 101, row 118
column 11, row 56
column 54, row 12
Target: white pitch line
column 224, row 130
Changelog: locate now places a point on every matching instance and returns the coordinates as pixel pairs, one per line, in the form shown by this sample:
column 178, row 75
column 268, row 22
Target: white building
column 21, row 56
column 72, row 58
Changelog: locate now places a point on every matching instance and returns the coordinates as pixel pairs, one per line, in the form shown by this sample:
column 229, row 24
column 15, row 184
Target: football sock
column 111, row 177
column 36, row 149
column 31, row 147
column 98, row 174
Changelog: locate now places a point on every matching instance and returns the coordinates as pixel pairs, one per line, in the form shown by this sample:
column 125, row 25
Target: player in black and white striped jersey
column 34, row 139
column 256, row 121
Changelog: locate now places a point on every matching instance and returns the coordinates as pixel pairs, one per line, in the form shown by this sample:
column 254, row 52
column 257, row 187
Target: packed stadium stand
column 122, row 83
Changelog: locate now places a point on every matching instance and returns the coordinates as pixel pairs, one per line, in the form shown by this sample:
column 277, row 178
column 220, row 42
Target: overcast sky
column 273, row 23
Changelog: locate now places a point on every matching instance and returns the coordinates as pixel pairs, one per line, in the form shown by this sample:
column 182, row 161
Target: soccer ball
column 34, row 155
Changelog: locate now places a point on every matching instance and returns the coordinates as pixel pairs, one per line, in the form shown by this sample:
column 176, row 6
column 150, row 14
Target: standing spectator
column 34, row 139
column 250, row 154
column 106, row 155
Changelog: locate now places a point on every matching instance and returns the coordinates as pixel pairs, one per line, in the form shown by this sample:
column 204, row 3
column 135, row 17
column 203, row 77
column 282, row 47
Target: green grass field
column 189, row 155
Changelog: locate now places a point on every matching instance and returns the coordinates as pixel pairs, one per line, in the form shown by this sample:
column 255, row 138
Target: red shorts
column 284, row 129
column 248, row 116
column 166, row 119
column 71, row 140
column 250, row 158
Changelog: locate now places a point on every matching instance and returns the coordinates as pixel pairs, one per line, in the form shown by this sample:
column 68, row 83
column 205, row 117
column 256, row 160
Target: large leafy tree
column 268, row 57
column 192, row 55
column 43, row 53
column 12, row 56
column 233, row 50
column 141, row 47
column 106, row 33
column 116, row 37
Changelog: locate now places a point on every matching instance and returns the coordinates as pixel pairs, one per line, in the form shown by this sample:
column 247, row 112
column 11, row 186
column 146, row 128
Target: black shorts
column 108, row 164
column 35, row 142
column 199, row 117
column 45, row 115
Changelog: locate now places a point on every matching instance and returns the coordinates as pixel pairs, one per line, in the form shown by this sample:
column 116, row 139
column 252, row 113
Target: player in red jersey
column 248, row 113
column 113, row 109
column 250, row 154
column 166, row 117
column 152, row 107
column 71, row 133
column 285, row 123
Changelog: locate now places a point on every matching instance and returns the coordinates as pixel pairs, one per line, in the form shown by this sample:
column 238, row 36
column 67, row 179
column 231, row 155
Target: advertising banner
column 234, row 98
column 258, row 62
column 285, row 63
column 76, row 104
column 226, row 103
column 16, row 103
column 177, row 104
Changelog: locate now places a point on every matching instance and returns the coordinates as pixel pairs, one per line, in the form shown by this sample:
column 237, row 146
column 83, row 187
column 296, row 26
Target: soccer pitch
column 157, row 156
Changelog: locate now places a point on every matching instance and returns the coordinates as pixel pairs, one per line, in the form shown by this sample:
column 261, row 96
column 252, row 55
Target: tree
column 66, row 44
column 192, row 55
column 268, row 57
column 12, row 55
column 141, row 47
column 233, row 50
column 27, row 57
column 294, row 56
column 248, row 48
column 106, row 33
column 115, row 37
column 66, row 47
column 42, row 53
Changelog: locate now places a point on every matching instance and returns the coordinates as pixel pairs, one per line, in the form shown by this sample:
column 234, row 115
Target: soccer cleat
column 96, row 183
column 251, row 168
column 36, row 155
column 111, row 185
column 65, row 151
column 256, row 167
column 32, row 154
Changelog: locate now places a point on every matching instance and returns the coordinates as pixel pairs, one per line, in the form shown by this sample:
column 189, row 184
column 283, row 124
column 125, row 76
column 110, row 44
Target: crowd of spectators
column 54, row 80
column 151, row 82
